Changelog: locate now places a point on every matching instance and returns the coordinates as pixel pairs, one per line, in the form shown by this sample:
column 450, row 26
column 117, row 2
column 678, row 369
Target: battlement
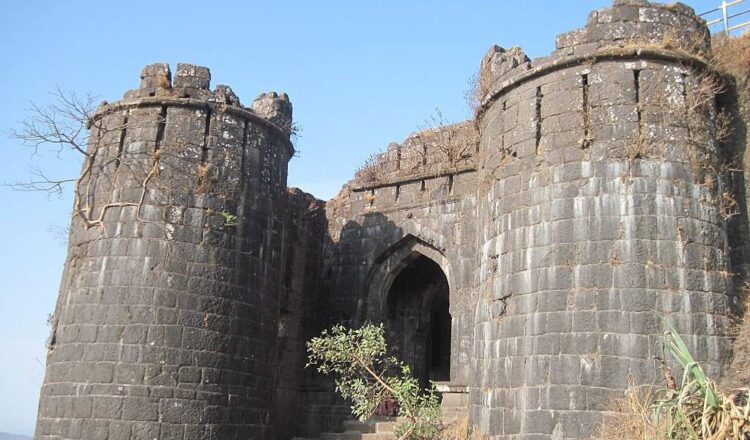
column 191, row 87
column 198, row 136
column 156, row 80
column 430, row 153
column 156, row 76
column 275, row 108
column 191, row 76
column 629, row 29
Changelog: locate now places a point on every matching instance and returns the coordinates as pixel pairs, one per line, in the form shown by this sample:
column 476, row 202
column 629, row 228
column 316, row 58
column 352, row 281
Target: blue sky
column 360, row 75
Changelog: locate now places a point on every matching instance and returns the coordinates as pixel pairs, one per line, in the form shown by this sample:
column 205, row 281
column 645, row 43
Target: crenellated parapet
column 624, row 82
column 191, row 88
column 437, row 152
column 638, row 23
column 195, row 137
column 629, row 29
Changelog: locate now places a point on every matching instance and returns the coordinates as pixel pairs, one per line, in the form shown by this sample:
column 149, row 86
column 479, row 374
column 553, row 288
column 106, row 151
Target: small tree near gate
column 367, row 377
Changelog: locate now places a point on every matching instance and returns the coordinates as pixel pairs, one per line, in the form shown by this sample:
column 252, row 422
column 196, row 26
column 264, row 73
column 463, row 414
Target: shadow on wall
column 299, row 309
column 340, row 298
column 738, row 226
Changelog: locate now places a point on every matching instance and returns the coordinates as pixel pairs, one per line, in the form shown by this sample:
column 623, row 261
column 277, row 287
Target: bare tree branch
column 58, row 127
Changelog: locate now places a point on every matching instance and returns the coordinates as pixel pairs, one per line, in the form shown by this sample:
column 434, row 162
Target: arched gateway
column 418, row 322
column 409, row 291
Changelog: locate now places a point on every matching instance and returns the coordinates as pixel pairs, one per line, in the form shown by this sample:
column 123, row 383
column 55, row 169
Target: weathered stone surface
column 522, row 256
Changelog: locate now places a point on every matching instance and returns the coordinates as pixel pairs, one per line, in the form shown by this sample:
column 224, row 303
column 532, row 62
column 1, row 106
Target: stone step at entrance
column 377, row 428
column 454, row 403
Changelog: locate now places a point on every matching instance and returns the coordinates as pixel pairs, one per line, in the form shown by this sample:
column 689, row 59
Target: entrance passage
column 419, row 323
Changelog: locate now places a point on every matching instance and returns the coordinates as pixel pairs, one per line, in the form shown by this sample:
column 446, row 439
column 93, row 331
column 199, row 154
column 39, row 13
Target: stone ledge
column 246, row 114
column 603, row 54
column 447, row 387
column 415, row 178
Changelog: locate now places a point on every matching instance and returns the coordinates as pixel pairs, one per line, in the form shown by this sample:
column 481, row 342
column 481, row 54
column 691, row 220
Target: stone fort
column 522, row 259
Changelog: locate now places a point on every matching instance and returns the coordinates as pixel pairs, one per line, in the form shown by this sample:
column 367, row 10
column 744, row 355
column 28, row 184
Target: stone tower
column 601, row 208
column 165, row 326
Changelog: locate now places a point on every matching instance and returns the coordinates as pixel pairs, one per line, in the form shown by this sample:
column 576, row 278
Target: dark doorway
column 419, row 323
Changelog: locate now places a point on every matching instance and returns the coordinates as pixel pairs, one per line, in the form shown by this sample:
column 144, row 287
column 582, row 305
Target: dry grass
column 738, row 374
column 694, row 409
column 631, row 417
column 731, row 56
column 373, row 169
column 438, row 147
column 454, row 144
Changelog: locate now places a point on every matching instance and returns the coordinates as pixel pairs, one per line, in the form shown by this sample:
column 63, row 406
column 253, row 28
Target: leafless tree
column 67, row 127
column 373, row 169
column 61, row 128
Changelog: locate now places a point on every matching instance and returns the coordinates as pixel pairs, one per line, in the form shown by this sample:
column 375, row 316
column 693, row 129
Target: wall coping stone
column 415, row 178
column 246, row 114
column 603, row 54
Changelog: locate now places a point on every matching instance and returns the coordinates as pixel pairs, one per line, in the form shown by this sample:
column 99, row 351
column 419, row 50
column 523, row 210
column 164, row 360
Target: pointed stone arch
column 408, row 289
column 390, row 263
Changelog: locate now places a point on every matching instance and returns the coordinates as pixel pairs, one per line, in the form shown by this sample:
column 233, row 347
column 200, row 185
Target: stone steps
column 346, row 435
column 379, row 436
column 379, row 428
column 454, row 407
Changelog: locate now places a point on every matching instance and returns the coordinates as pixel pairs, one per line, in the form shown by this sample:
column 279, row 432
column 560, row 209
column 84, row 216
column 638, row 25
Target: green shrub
column 367, row 377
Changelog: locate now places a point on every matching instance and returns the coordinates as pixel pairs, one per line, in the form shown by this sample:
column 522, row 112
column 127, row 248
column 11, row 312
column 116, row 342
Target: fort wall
column 523, row 259
column 593, row 204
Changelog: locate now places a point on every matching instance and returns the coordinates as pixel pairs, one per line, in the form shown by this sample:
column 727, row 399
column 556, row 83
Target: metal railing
column 726, row 16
